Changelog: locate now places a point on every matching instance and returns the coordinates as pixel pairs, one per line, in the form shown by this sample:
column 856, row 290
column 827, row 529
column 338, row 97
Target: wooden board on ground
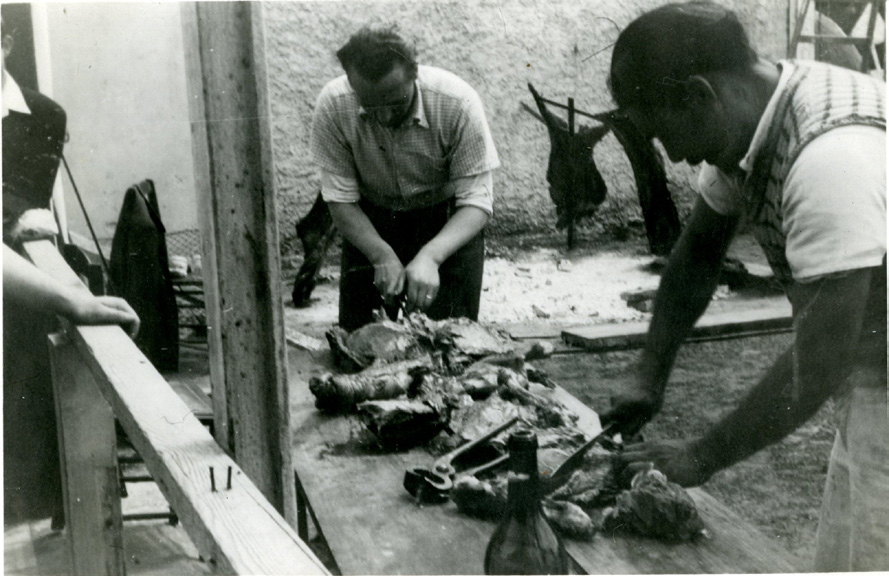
column 770, row 319
column 373, row 526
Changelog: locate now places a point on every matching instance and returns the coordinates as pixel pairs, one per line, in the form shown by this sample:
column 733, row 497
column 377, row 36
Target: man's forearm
column 464, row 225
column 685, row 290
column 827, row 331
column 25, row 284
column 357, row 229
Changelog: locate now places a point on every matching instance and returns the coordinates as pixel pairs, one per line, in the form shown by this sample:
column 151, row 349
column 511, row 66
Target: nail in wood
column 212, row 481
column 228, row 483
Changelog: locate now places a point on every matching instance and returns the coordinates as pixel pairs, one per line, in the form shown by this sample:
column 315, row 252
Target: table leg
column 302, row 514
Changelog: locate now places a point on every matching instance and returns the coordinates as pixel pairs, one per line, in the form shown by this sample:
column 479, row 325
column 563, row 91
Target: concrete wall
column 561, row 46
column 118, row 70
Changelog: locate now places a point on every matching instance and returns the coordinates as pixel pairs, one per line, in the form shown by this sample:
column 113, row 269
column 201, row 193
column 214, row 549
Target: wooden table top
column 373, row 526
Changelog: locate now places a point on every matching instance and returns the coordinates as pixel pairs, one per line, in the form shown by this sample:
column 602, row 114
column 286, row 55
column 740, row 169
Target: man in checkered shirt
column 406, row 160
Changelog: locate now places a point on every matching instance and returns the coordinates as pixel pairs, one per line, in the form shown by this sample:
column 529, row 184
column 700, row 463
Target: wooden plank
column 237, row 530
column 372, row 525
column 711, row 326
column 242, row 203
column 88, row 453
column 206, row 221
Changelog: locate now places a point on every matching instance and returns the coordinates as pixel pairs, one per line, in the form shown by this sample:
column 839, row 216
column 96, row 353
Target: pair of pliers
column 434, row 484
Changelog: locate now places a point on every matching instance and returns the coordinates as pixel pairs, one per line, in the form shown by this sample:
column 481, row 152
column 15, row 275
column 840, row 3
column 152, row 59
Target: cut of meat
column 383, row 341
column 655, row 507
column 341, row 392
column 593, row 485
column 401, row 424
column 569, row 519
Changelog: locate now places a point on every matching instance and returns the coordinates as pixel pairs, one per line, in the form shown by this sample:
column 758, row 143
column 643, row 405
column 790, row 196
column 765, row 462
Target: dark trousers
column 407, row 232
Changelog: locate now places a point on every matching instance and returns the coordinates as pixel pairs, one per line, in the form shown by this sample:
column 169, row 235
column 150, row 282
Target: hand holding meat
column 422, row 282
column 676, row 459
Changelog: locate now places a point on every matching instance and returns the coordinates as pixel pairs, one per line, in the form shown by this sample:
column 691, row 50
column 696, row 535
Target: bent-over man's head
column 682, row 72
column 381, row 67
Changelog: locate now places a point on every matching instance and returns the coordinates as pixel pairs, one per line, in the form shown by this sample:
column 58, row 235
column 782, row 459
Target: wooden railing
column 99, row 375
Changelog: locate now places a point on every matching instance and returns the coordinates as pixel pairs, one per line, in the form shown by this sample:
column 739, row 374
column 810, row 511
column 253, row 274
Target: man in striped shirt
column 406, row 160
column 797, row 150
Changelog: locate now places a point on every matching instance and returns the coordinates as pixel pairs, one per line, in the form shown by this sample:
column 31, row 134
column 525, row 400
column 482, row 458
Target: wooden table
column 373, row 526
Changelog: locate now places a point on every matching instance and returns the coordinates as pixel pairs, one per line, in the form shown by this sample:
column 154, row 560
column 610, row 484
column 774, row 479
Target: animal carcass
column 575, row 184
column 316, row 233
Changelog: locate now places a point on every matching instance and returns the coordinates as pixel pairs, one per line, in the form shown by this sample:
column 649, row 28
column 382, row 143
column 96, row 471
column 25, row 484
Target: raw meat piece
column 383, row 341
column 401, row 424
column 550, row 414
column 593, row 484
column 464, row 336
column 654, row 506
column 341, row 392
column 569, row 519
column 480, row 498
column 474, row 419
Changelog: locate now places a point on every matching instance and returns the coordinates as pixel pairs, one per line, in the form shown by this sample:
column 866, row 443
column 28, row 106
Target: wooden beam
column 236, row 530
column 206, row 221
column 240, row 198
column 713, row 326
column 87, row 450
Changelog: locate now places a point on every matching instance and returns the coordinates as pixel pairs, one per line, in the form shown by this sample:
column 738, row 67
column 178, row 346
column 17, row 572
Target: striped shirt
column 824, row 207
column 444, row 148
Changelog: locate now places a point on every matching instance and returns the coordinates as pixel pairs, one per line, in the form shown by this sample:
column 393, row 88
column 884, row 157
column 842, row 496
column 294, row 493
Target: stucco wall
column 561, row 46
column 119, row 72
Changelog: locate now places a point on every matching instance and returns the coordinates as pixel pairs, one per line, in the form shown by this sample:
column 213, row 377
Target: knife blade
column 567, row 468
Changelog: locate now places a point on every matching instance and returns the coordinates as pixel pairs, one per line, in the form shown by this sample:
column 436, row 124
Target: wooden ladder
column 819, row 38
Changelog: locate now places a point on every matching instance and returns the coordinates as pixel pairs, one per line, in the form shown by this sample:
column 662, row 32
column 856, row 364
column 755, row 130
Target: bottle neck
column 524, row 461
column 523, row 498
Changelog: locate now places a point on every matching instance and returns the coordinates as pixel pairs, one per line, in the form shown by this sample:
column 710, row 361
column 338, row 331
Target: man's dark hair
column 374, row 51
column 659, row 51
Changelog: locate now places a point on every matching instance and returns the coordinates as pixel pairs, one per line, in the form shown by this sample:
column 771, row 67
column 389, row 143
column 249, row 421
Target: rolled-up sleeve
column 476, row 190
column 335, row 188
column 718, row 191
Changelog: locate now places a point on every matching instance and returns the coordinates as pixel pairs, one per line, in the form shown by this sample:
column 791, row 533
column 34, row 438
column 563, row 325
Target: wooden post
column 87, row 450
column 225, row 41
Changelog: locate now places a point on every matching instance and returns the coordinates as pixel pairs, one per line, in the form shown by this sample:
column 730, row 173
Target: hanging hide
column 316, row 233
column 575, row 184
column 662, row 224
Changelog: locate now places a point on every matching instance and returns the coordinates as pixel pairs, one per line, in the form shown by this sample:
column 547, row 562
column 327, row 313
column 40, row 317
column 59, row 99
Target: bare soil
column 535, row 287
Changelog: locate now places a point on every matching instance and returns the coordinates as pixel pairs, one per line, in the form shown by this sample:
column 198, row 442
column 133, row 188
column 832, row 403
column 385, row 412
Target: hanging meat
column 661, row 217
column 575, row 184
column 316, row 233
column 572, row 172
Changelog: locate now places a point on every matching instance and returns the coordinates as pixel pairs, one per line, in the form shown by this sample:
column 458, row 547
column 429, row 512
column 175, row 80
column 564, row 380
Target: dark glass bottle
column 524, row 542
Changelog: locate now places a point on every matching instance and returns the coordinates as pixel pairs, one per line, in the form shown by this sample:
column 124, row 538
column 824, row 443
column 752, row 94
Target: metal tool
column 433, row 485
column 568, row 467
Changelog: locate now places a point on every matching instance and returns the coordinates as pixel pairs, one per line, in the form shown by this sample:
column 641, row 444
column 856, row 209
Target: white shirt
column 834, row 197
column 12, row 96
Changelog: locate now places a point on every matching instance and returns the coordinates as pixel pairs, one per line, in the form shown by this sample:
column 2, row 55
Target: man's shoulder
column 335, row 90
column 443, row 83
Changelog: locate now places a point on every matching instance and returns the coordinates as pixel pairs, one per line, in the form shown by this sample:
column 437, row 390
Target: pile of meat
column 597, row 498
column 412, row 379
column 443, row 383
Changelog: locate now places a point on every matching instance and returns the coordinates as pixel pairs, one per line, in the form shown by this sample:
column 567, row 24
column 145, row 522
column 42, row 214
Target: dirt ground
column 535, row 288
